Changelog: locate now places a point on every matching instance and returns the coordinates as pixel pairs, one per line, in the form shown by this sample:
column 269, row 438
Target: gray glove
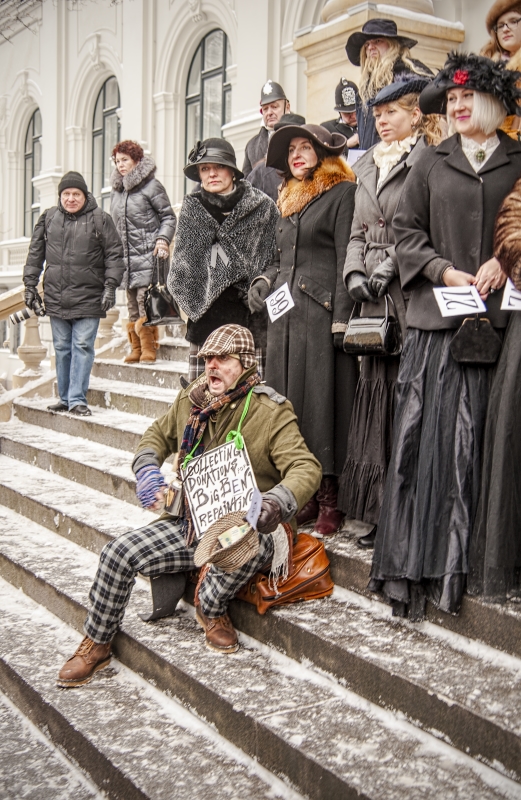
column 382, row 277
column 358, row 288
column 259, row 290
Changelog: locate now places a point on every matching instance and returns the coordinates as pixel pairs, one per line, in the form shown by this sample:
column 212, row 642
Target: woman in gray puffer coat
column 146, row 223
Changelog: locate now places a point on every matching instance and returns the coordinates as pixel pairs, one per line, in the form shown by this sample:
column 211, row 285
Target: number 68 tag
column 279, row 302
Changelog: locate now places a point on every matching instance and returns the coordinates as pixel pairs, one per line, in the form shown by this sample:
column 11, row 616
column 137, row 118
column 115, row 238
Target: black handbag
column 476, row 342
column 373, row 336
column 160, row 306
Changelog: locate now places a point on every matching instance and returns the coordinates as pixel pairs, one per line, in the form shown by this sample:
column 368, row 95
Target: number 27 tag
column 279, row 302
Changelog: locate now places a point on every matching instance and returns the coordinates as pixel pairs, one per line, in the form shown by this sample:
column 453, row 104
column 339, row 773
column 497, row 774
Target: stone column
column 32, row 353
column 324, row 46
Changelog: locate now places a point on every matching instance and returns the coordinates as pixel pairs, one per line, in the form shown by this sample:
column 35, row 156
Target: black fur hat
column 474, row 72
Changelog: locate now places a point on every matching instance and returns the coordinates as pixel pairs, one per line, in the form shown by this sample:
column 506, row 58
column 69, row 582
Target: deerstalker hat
column 277, row 155
column 374, row 29
column 211, row 151
column 230, row 340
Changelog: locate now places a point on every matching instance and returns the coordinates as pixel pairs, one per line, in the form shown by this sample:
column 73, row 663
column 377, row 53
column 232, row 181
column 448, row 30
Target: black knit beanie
column 73, row 180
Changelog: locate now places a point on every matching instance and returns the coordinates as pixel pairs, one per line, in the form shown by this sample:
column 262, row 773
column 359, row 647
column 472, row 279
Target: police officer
column 346, row 97
column 273, row 104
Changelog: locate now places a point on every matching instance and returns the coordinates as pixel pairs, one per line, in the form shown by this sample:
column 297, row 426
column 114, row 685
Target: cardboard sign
column 279, row 302
column 511, row 298
column 217, row 483
column 458, row 301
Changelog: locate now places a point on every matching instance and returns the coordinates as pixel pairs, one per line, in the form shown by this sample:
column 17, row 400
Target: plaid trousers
column 153, row 550
column 196, row 365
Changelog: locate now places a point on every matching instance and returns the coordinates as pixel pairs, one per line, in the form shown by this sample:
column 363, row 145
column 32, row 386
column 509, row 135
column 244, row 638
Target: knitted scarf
column 197, row 423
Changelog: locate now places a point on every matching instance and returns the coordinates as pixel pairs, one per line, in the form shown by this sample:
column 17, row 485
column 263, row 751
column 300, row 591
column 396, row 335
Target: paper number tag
column 458, row 301
column 511, row 298
column 279, row 302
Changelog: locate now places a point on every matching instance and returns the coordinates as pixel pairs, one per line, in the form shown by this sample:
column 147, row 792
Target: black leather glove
column 358, row 288
column 108, row 298
column 33, row 301
column 269, row 517
column 259, row 290
column 338, row 341
column 382, row 277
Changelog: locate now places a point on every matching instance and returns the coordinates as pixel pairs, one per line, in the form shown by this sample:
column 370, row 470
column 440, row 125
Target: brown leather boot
column 220, row 633
column 88, row 659
column 135, row 341
column 309, row 512
column 149, row 340
column 329, row 517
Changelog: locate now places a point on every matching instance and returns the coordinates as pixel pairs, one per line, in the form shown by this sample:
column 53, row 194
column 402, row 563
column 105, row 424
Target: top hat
column 277, row 155
column 272, row 91
column 346, row 94
column 211, row 151
column 374, row 29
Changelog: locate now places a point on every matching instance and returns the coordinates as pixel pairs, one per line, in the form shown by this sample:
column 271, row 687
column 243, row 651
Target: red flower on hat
column 461, row 77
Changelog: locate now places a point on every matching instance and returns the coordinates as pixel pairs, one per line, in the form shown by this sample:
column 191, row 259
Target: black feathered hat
column 408, row 83
column 211, row 151
column 466, row 70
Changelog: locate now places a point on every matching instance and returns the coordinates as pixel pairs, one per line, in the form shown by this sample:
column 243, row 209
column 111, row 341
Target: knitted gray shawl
column 208, row 257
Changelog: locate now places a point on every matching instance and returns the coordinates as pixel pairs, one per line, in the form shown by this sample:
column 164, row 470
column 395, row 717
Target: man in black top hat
column 268, row 179
column 383, row 56
column 273, row 104
column 346, row 94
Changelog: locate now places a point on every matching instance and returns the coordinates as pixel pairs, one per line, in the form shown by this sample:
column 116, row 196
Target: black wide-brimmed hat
column 409, row 83
column 211, row 151
column 272, row 91
column 374, row 29
column 289, row 119
column 346, row 94
column 277, row 156
column 466, row 70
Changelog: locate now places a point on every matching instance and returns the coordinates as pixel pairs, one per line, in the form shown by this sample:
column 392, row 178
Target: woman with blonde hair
column 371, row 278
column 383, row 56
column 504, row 26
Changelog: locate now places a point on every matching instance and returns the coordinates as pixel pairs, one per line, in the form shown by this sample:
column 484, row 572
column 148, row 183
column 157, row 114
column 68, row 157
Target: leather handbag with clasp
column 160, row 306
column 373, row 336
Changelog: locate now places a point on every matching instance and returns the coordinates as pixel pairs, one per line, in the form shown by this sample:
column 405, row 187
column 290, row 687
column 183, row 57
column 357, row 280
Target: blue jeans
column 73, row 341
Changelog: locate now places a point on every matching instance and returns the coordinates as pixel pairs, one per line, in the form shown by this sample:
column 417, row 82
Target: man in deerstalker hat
column 273, row 104
column 202, row 415
column 346, row 97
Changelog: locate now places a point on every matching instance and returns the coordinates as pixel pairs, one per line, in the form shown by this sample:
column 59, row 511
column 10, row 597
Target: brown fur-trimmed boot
column 135, row 341
column 149, row 338
column 88, row 659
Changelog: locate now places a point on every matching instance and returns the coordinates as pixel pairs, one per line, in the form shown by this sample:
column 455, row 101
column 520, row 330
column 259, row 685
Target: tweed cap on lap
column 231, row 340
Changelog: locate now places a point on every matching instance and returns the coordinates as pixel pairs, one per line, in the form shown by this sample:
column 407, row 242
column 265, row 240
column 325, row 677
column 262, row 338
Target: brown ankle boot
column 149, row 340
column 309, row 512
column 88, row 659
column 220, row 633
column 329, row 517
column 135, row 341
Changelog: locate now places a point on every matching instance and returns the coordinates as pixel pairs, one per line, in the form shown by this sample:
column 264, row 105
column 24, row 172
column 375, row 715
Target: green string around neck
column 236, row 436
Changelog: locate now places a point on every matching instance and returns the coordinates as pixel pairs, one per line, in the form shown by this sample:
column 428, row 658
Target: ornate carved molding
column 196, row 10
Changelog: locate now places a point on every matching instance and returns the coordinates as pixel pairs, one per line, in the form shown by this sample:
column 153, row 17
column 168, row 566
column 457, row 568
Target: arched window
column 105, row 134
column 208, row 90
column 32, row 168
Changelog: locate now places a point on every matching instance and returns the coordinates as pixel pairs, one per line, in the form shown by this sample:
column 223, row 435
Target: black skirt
column 362, row 482
column 495, row 552
column 432, row 489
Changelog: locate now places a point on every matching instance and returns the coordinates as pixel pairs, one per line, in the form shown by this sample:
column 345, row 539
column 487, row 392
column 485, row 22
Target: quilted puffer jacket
column 141, row 210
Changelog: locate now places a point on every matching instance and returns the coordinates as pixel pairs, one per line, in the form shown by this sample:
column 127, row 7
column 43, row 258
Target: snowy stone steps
column 118, row 429
column 84, row 516
column 133, row 740
column 32, row 767
column 164, row 374
column 133, row 398
column 326, row 740
column 173, row 349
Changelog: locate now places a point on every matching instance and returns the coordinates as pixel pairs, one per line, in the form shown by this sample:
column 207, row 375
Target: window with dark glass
column 105, row 135
column 208, row 90
column 32, row 168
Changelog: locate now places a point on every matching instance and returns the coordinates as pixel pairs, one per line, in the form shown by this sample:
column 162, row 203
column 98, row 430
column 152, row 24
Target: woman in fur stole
column 495, row 552
column 305, row 359
column 144, row 218
column 371, row 277
column 504, row 26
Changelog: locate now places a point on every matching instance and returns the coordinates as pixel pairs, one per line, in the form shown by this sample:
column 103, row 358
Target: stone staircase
column 325, row 700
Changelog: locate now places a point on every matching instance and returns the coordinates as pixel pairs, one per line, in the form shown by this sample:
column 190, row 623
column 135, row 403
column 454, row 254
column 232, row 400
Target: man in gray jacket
column 83, row 254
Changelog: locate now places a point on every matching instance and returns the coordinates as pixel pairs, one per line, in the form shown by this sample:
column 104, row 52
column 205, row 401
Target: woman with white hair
column 444, row 229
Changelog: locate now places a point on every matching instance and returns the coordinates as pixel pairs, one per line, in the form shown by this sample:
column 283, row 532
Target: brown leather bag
column 308, row 579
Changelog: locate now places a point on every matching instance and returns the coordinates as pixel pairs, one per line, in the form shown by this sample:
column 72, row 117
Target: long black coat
column 82, row 257
column 427, row 237
column 255, row 150
column 302, row 363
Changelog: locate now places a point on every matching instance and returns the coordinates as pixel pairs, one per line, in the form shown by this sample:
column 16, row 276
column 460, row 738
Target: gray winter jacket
column 142, row 213
column 83, row 253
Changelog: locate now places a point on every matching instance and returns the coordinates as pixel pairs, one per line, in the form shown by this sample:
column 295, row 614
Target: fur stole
column 143, row 170
column 209, row 257
column 298, row 194
column 507, row 243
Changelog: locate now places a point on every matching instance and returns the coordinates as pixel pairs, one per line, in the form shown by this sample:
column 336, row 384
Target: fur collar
column 515, row 62
column 144, row 169
column 298, row 194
